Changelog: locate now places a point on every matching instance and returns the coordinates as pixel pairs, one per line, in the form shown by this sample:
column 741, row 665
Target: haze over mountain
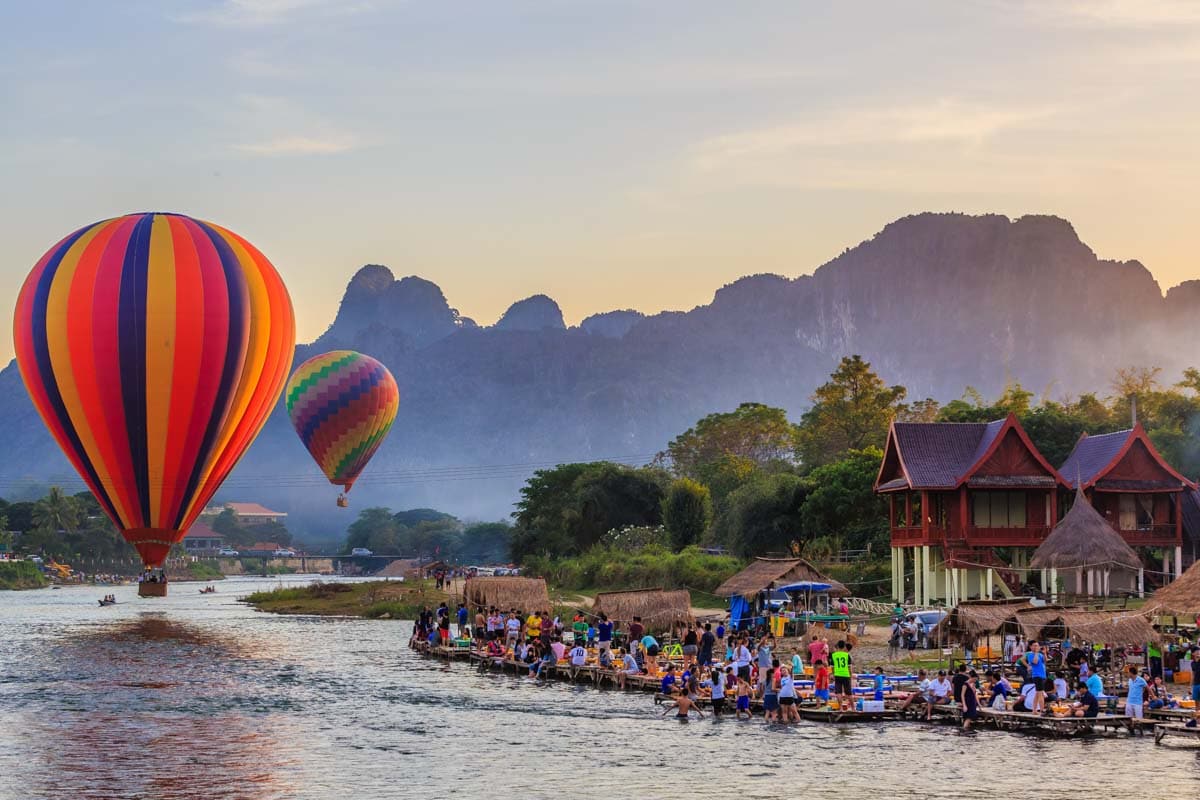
column 934, row 301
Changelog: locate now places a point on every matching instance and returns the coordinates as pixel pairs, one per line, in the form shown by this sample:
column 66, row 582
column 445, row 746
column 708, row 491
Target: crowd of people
column 731, row 670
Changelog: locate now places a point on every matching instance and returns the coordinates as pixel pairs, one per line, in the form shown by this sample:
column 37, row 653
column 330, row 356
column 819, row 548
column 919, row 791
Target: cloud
column 1120, row 13
column 944, row 122
column 297, row 146
column 261, row 13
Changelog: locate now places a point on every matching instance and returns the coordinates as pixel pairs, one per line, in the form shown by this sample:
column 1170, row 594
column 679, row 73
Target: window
column 998, row 509
column 1136, row 512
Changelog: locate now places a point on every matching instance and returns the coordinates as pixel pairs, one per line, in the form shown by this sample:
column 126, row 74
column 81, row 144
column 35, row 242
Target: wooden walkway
column 1164, row 722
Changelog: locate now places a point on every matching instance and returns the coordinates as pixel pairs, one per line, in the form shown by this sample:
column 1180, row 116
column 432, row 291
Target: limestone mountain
column 935, row 301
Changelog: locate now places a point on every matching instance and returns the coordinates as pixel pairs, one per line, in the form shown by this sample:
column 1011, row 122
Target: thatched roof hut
column 1182, row 597
column 972, row 620
column 1058, row 623
column 1117, row 628
column 1084, row 539
column 765, row 572
column 507, row 593
column 659, row 609
column 1036, row 622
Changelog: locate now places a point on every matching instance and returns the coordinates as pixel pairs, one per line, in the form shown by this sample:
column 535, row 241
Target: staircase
column 1009, row 581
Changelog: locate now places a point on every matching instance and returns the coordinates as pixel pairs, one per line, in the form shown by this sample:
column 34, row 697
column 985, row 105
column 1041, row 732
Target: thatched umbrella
column 1181, row 597
column 1084, row 540
column 972, row 620
column 660, row 610
column 507, row 593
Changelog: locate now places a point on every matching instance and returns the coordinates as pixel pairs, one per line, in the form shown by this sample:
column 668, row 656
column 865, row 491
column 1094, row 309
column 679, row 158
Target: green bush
column 20, row 575
column 869, row 579
column 653, row 566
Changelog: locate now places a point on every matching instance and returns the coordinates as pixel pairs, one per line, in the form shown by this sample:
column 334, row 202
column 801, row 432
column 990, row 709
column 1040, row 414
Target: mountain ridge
column 935, row 301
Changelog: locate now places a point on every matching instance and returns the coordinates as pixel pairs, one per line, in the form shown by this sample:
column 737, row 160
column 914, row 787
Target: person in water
column 683, row 704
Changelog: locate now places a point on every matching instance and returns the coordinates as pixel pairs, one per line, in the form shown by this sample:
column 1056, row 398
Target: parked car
column 925, row 621
column 501, row 571
column 284, row 552
column 227, row 551
column 361, row 551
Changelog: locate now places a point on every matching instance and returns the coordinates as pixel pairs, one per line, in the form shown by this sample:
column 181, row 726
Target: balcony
column 1030, row 536
column 1151, row 536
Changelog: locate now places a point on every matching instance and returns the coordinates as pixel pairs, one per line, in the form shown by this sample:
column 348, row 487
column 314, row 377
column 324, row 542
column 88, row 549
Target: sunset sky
column 609, row 154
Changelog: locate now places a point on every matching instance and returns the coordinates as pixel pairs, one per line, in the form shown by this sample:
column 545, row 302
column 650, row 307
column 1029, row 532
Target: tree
column 753, row 433
column 764, row 516
column 842, row 504
column 565, row 510
column 850, row 412
column 375, row 530
column 686, row 512
column 57, row 511
column 487, row 542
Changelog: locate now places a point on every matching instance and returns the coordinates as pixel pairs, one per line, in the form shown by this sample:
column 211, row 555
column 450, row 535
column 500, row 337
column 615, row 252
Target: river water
column 197, row 697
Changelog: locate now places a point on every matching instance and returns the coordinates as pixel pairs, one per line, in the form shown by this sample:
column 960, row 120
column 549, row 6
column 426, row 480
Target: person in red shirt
column 818, row 650
column 821, row 681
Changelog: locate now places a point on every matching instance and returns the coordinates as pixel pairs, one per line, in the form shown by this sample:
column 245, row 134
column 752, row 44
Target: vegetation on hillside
column 426, row 533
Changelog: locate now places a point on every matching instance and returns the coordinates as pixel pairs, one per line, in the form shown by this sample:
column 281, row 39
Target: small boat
column 107, row 602
column 208, row 590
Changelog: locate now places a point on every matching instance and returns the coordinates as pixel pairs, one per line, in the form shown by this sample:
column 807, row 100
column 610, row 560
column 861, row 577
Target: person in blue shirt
column 462, row 622
column 879, row 683
column 668, row 680
column 1136, row 697
column 604, row 633
column 1035, row 659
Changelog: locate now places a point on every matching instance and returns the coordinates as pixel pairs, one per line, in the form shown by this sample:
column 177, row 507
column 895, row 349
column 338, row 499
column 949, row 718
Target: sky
column 608, row 154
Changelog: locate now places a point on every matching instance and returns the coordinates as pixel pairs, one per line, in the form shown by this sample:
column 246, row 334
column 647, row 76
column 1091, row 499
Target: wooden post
column 918, row 577
column 1107, row 573
column 926, row 576
column 1178, row 561
column 1053, row 585
column 1166, row 566
column 900, row 568
column 1141, row 582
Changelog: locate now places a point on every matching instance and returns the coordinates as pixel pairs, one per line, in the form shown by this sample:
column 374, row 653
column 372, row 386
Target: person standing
column 787, row 695
column 741, row 659
column 604, row 633
column 764, row 662
column 707, row 641
column 1136, row 697
column 842, row 685
column 818, row 650
column 1196, row 677
column 970, row 701
column 636, row 631
column 894, row 637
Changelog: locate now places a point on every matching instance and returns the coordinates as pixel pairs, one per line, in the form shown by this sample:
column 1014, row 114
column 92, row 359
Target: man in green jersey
column 841, row 674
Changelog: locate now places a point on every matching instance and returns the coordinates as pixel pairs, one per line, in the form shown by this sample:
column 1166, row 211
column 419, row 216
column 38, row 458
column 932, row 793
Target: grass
column 204, row 571
column 21, row 575
column 373, row 600
column 602, row 568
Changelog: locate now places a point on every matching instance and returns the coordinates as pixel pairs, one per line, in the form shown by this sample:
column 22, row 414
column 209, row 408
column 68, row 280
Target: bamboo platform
column 1059, row 726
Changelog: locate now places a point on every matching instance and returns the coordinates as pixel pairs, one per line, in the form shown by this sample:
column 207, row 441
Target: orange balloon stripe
column 154, row 348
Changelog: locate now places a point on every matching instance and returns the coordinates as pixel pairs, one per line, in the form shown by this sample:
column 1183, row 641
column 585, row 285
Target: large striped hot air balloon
column 154, row 346
column 342, row 405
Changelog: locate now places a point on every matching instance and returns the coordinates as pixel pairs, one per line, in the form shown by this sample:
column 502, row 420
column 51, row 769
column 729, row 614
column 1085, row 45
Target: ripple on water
column 199, row 698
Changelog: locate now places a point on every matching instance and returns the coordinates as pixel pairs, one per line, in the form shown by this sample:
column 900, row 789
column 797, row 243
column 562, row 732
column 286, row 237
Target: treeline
column 755, row 482
column 427, row 533
column 65, row 527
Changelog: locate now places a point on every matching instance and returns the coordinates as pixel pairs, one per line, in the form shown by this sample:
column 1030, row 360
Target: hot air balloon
column 342, row 405
column 154, row 346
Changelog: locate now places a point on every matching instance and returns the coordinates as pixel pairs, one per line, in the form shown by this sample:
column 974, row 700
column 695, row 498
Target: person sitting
column 940, row 693
column 1086, row 704
column 921, row 695
column 628, row 667
column 1001, row 689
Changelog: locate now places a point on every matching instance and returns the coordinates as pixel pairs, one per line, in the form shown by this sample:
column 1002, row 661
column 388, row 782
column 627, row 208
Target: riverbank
column 369, row 600
column 21, row 575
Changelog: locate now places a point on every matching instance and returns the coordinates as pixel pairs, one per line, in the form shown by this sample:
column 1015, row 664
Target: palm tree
column 57, row 511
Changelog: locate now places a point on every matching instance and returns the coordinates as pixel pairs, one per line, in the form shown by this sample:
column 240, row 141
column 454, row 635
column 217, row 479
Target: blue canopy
column 806, row 586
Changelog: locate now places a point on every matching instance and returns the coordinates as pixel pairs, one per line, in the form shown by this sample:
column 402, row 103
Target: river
column 197, row 697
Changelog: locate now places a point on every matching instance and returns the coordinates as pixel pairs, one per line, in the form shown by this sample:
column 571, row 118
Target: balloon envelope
column 154, row 346
column 342, row 405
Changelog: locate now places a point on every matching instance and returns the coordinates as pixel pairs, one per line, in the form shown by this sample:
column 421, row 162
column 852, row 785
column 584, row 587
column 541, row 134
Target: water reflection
column 199, row 698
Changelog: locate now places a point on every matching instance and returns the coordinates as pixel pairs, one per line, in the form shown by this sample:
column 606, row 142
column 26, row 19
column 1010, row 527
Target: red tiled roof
column 253, row 509
column 200, row 530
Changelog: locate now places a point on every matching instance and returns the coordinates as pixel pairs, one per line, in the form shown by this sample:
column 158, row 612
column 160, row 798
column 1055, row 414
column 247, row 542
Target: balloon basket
column 147, row 589
column 342, row 501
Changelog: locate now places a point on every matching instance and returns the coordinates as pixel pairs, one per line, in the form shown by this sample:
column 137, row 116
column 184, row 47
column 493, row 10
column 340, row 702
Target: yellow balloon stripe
column 160, row 354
